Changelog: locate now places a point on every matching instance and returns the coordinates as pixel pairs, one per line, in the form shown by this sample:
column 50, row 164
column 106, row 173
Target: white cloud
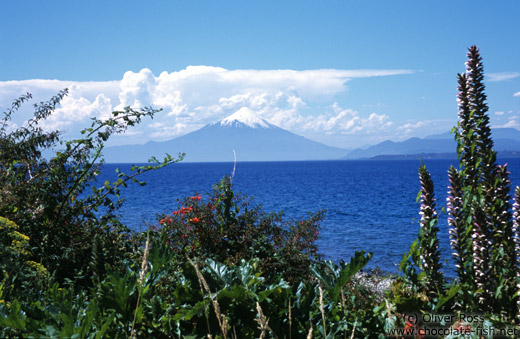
column 378, row 105
column 199, row 95
column 74, row 109
column 422, row 128
column 164, row 131
column 513, row 122
column 348, row 122
column 517, row 94
column 10, row 126
column 409, row 128
column 136, row 89
column 85, row 99
column 503, row 76
column 499, row 113
column 204, row 86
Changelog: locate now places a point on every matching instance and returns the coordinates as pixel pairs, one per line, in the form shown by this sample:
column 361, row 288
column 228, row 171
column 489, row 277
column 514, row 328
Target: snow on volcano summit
column 246, row 117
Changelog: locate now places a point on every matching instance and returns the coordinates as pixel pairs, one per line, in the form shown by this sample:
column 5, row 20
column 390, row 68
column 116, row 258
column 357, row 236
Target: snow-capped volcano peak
column 246, row 117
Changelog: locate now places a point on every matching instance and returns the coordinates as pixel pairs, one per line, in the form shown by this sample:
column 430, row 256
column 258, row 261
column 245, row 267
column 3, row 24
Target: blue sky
column 346, row 73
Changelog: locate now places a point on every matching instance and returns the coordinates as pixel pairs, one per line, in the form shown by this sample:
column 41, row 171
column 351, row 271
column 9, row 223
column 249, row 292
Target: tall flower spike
column 516, row 238
column 481, row 260
column 516, row 226
column 477, row 105
column 475, row 76
column 465, row 132
column 503, row 233
column 504, row 256
column 459, row 240
column 428, row 241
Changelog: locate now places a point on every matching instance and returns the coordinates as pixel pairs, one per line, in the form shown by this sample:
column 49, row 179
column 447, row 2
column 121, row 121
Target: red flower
column 183, row 210
column 196, row 198
column 165, row 220
column 194, row 220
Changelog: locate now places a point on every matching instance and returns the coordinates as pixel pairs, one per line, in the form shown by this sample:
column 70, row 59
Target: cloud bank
column 503, row 76
column 304, row 102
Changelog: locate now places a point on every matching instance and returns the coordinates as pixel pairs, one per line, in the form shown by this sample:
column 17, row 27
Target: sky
column 345, row 73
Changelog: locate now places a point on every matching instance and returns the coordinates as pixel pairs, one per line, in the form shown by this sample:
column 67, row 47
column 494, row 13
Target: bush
column 225, row 228
column 19, row 272
column 48, row 198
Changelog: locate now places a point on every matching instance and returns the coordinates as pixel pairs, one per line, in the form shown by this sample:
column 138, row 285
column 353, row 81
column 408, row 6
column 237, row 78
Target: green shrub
column 48, row 198
column 19, row 273
column 226, row 228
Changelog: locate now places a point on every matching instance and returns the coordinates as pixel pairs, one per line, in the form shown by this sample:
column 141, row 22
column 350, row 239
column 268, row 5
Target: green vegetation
column 220, row 267
column 484, row 226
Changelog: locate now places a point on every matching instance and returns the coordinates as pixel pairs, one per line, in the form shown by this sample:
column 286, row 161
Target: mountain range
column 506, row 143
column 254, row 139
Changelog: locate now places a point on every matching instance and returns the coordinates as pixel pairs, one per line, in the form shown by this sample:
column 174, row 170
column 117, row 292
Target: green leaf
column 444, row 298
column 418, row 196
column 15, row 319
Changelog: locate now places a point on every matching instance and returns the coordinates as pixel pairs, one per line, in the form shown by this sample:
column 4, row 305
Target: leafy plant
column 48, row 198
column 484, row 232
column 227, row 229
column 18, row 270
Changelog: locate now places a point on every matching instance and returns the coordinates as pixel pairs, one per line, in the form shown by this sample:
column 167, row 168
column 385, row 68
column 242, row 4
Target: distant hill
column 506, row 142
column 253, row 139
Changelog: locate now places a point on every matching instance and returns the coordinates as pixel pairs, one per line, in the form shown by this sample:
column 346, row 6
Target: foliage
column 218, row 267
column 48, row 198
column 227, row 229
column 196, row 299
column 484, row 232
column 18, row 271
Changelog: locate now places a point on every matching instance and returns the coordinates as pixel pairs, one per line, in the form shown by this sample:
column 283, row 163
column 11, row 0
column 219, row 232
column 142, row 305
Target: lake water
column 370, row 205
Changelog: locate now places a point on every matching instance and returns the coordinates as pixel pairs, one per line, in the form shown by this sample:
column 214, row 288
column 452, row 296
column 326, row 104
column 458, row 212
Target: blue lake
column 370, row 205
